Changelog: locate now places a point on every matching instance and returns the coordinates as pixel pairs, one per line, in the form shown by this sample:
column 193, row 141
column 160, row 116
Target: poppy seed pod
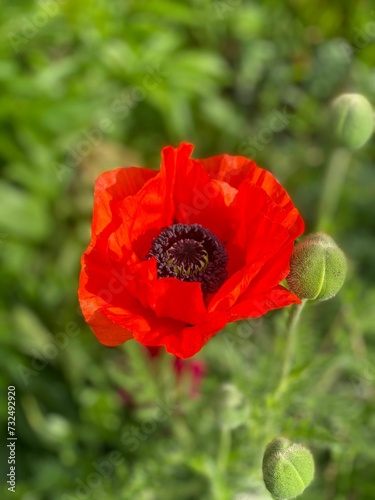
column 287, row 468
column 317, row 268
column 352, row 120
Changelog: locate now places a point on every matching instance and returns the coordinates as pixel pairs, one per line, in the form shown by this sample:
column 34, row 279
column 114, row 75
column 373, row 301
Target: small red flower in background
column 188, row 372
column 178, row 253
column 193, row 370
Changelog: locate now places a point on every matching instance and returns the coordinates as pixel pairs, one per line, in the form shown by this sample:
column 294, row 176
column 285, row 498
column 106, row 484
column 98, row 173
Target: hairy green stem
column 224, row 448
column 333, row 184
column 290, row 347
column 220, row 490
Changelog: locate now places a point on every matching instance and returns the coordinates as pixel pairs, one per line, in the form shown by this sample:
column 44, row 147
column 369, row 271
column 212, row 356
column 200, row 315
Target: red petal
column 113, row 313
column 262, row 238
column 103, row 284
column 167, row 297
column 275, row 270
column 230, row 169
column 196, row 196
column 176, row 299
column 191, row 339
column 254, row 207
column 152, row 208
column 147, row 329
column 107, row 332
column 115, row 185
column 234, row 170
column 252, row 306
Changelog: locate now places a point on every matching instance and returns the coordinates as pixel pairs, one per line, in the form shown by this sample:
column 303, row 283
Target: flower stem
column 333, row 184
column 291, row 336
column 220, row 489
column 224, row 448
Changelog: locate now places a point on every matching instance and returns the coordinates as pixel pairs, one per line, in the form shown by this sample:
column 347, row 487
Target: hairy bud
column 317, row 268
column 352, row 120
column 288, row 468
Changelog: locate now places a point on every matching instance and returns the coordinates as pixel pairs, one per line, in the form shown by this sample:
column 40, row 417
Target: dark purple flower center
column 190, row 253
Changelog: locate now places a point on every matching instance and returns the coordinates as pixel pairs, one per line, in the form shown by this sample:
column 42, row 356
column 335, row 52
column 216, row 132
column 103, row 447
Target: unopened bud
column 287, row 468
column 317, row 268
column 233, row 409
column 352, row 120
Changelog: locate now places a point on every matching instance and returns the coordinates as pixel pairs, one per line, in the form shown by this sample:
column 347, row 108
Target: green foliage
column 88, row 86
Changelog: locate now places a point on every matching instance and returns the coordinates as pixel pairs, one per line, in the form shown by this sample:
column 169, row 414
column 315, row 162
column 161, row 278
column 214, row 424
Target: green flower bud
column 317, row 268
column 233, row 409
column 352, row 120
column 287, row 468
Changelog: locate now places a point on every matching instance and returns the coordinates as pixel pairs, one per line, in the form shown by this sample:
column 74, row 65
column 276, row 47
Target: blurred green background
column 88, row 86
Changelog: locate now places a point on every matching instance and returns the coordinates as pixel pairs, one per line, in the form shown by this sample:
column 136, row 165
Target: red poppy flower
column 178, row 253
